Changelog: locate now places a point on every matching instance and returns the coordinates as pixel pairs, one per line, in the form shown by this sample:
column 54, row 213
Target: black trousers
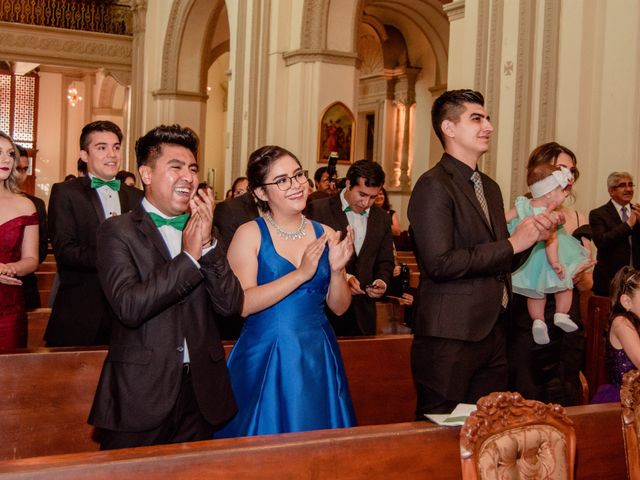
column 448, row 372
column 184, row 423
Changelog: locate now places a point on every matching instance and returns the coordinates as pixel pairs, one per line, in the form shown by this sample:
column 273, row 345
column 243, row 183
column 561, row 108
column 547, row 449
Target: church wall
column 587, row 79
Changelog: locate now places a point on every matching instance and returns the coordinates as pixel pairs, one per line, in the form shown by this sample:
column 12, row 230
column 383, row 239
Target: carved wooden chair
column 509, row 437
column 630, row 399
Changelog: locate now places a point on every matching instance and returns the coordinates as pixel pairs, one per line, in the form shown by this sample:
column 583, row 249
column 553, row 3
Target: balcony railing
column 104, row 16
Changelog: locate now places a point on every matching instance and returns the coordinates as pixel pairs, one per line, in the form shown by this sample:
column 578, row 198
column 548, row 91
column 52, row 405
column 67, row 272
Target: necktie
column 112, row 184
column 349, row 209
column 477, row 187
column 625, row 217
column 176, row 222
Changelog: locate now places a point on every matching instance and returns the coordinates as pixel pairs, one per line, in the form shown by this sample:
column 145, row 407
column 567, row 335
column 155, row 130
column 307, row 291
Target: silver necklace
column 297, row 234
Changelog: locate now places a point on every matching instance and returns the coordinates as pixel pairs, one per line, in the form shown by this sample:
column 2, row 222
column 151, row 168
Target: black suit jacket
column 611, row 236
column 80, row 311
column 232, row 213
column 158, row 302
column 30, row 281
column 375, row 259
column 464, row 262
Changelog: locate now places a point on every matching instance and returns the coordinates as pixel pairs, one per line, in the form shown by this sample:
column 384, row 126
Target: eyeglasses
column 284, row 183
column 624, row 185
column 22, row 169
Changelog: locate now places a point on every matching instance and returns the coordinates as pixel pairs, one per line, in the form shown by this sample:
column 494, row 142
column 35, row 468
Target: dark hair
column 260, row 162
column 71, row 176
column 539, row 172
column 372, row 173
column 236, row 182
column 22, row 152
column 98, row 126
column 82, row 166
column 385, row 205
column 149, row 146
column 122, row 175
column 450, row 105
column 319, row 172
column 625, row 281
column 548, row 153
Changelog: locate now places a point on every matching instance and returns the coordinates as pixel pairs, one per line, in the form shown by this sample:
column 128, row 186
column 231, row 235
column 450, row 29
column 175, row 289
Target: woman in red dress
column 18, row 248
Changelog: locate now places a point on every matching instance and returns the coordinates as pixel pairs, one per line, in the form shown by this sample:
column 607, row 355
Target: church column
column 136, row 96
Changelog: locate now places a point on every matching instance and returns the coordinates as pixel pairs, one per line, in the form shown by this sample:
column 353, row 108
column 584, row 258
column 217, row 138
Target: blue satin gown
column 286, row 369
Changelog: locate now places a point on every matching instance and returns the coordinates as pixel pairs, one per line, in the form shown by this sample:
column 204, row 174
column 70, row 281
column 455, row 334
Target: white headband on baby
column 558, row 178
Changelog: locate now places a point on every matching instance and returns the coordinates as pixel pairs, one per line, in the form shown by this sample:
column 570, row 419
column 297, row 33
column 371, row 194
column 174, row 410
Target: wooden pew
column 400, row 451
column 37, row 323
column 46, row 394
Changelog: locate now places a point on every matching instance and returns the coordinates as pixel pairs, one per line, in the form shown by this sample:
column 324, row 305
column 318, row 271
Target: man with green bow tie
column 371, row 268
column 165, row 379
column 81, row 315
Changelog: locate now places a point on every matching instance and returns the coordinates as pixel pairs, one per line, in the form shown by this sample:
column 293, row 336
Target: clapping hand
column 8, row 275
column 202, row 204
column 340, row 251
column 311, row 257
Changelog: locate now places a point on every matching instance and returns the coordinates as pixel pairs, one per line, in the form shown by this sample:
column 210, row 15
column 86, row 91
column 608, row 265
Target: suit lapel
column 612, row 211
column 466, row 187
column 93, row 197
column 372, row 229
column 149, row 229
column 341, row 217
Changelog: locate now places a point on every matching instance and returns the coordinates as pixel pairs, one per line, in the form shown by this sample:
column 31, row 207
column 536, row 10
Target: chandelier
column 73, row 96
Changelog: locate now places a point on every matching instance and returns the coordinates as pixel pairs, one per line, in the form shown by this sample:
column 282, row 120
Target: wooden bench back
column 47, row 393
column 381, row 452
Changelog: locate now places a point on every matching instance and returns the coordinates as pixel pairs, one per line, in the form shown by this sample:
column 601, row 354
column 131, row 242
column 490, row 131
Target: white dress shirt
column 109, row 199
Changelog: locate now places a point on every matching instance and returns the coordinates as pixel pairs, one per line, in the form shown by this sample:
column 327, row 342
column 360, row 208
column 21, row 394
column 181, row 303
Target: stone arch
column 187, row 52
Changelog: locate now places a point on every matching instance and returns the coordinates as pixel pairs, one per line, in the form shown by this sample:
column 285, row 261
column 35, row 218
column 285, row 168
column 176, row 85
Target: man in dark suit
column 465, row 258
column 616, row 232
column 81, row 314
column 164, row 379
column 30, row 282
column 370, row 270
column 232, row 213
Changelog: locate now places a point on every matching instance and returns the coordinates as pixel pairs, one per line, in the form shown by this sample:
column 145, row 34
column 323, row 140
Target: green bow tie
column 176, row 222
column 112, row 184
column 349, row 209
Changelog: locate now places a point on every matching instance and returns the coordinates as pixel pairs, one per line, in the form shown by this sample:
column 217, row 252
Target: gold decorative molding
column 523, row 97
column 454, row 10
column 549, row 72
column 322, row 56
column 493, row 79
column 31, row 43
column 179, row 95
column 314, row 24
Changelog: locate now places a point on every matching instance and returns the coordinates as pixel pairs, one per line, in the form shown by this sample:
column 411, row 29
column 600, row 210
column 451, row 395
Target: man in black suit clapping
column 165, row 378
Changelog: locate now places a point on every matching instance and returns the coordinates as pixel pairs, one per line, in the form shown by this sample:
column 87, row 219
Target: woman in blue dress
column 286, row 369
column 553, row 263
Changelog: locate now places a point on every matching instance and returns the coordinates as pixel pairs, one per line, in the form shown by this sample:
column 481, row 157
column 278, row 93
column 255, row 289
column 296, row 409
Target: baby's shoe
column 540, row 333
column 563, row 321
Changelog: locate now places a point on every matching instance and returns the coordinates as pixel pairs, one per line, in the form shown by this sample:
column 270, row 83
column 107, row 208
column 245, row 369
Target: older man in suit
column 371, row 268
column 165, row 379
column 616, row 232
column 81, row 314
column 466, row 257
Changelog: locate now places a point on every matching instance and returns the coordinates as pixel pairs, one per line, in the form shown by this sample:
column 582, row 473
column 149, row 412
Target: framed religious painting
column 337, row 127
